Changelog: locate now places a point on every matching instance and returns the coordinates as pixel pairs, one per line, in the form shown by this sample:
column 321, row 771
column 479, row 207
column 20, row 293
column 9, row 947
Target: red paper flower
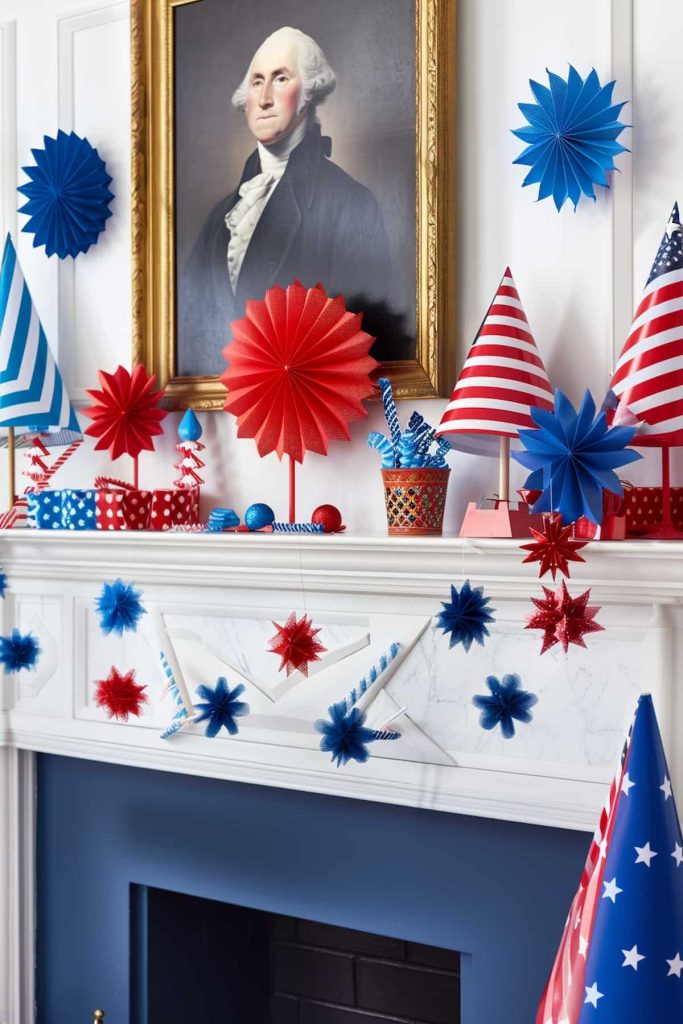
column 296, row 644
column 554, row 547
column 298, row 371
column 564, row 619
column 120, row 695
column 125, row 414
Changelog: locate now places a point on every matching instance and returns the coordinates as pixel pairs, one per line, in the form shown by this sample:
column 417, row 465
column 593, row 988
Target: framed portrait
column 282, row 140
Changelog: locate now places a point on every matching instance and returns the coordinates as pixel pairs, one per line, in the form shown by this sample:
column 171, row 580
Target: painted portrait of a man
column 313, row 180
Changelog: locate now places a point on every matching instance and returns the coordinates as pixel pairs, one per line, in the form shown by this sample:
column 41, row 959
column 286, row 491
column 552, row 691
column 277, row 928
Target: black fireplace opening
column 198, row 961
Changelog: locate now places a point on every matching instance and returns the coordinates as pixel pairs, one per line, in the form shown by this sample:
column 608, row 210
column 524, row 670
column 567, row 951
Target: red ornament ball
column 329, row 516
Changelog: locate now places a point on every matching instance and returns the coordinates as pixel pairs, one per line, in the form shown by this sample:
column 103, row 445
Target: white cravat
column 254, row 194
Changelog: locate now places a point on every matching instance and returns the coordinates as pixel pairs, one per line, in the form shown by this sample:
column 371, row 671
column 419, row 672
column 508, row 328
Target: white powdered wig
column 318, row 78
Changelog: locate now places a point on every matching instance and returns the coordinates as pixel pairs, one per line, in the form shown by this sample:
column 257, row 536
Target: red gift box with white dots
column 174, row 507
column 123, row 510
column 644, row 509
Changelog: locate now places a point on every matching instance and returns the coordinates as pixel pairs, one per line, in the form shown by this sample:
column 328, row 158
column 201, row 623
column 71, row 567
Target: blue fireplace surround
column 498, row 892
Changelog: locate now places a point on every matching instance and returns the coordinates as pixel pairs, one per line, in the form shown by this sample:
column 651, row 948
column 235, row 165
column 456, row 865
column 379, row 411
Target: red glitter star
column 564, row 619
column 120, row 695
column 554, row 547
column 296, row 644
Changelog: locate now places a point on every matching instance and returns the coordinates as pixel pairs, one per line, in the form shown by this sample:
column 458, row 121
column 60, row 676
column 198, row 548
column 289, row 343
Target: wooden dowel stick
column 504, row 470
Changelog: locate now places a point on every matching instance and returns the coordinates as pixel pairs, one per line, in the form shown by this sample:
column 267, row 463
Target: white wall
column 577, row 273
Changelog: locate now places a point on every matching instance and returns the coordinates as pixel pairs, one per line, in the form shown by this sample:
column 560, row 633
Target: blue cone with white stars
column 465, row 616
column 630, row 937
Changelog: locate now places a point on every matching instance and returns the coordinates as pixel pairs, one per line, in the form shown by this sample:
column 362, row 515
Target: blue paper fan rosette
column 68, row 195
column 571, row 136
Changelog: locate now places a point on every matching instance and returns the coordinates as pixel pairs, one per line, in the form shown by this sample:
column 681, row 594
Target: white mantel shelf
column 627, row 570
column 54, row 577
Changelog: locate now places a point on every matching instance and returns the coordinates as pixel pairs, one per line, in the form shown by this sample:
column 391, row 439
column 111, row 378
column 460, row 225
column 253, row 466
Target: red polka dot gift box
column 174, row 507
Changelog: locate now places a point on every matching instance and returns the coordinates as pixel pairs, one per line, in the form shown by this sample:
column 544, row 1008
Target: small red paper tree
column 299, row 369
column 125, row 413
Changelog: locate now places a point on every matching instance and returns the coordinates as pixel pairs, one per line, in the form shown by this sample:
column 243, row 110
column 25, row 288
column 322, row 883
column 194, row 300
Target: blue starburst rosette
column 68, row 195
column 571, row 136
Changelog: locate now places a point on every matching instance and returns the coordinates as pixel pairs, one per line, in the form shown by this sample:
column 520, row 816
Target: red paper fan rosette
column 298, row 370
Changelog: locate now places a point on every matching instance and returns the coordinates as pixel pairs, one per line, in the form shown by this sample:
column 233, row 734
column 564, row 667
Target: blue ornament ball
column 259, row 515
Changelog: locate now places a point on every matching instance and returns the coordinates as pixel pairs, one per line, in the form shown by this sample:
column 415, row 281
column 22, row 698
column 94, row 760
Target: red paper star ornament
column 120, row 695
column 564, row 619
column 554, row 547
column 296, row 644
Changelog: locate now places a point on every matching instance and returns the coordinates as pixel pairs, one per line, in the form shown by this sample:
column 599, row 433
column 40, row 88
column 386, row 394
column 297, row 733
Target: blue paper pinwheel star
column 346, row 735
column 465, row 616
column 573, row 457
column 119, row 607
column 68, row 195
column 571, row 136
column 220, row 707
column 506, row 702
column 18, row 651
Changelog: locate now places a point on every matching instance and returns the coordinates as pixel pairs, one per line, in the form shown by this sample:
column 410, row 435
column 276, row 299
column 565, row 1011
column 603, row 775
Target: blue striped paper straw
column 390, row 410
column 373, row 675
column 298, row 528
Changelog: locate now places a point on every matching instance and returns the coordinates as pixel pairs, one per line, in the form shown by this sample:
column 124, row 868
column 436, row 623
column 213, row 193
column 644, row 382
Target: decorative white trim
column 67, row 28
column 17, row 885
column 8, row 129
column 622, row 184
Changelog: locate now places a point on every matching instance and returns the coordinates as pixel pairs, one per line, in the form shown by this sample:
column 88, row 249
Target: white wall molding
column 69, row 26
column 8, row 129
column 17, row 886
column 622, row 183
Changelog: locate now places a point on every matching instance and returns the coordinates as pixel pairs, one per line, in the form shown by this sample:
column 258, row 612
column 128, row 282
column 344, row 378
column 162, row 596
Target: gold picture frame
column 432, row 372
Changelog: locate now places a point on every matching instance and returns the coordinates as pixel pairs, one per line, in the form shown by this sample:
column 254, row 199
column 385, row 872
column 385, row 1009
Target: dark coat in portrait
column 319, row 226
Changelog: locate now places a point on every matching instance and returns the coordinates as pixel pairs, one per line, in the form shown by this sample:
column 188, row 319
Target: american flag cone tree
column 648, row 379
column 502, row 379
column 620, row 959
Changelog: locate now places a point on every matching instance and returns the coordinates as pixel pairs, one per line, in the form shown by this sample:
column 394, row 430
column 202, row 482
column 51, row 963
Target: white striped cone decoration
column 503, row 377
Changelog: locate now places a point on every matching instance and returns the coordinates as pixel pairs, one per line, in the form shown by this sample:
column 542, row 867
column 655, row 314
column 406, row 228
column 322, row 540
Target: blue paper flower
column 119, row 607
column 571, row 136
column 3, row 583
column 573, row 457
column 68, row 197
column 221, row 707
column 345, row 735
column 465, row 616
column 507, row 702
column 17, row 651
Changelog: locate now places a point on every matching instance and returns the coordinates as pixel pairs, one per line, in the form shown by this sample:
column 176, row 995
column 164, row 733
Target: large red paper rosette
column 125, row 414
column 298, row 371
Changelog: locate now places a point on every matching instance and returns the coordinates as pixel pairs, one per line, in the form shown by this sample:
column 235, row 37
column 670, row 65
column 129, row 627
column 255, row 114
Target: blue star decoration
column 346, row 736
column 119, row 607
column 573, row 457
column 220, row 707
column 68, row 195
column 571, row 135
column 3, row 583
column 506, row 702
column 18, row 651
column 465, row 616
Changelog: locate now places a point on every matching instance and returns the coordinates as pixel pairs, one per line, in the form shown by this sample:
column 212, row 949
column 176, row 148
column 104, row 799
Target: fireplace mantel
column 54, row 577
column 554, row 772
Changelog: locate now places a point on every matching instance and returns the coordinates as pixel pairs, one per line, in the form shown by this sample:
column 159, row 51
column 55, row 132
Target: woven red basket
column 415, row 500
